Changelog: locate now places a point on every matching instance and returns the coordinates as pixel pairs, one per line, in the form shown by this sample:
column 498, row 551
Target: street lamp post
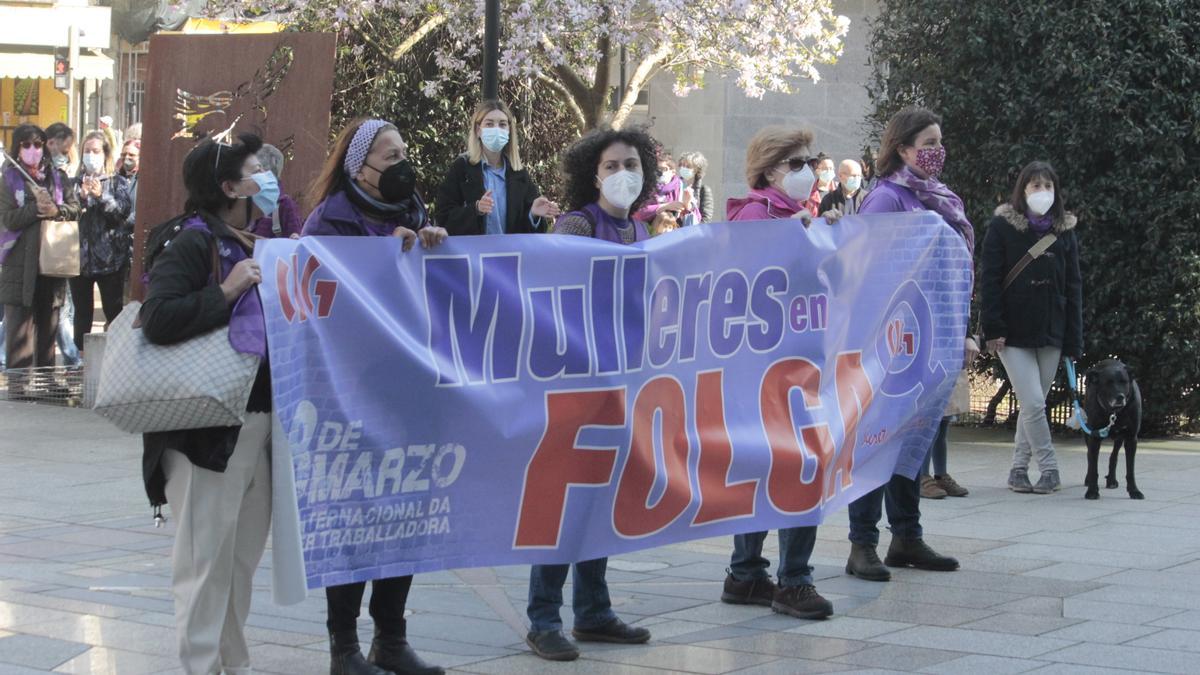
column 491, row 50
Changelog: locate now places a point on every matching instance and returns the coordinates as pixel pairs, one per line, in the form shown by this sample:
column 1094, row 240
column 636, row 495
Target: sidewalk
column 1049, row 584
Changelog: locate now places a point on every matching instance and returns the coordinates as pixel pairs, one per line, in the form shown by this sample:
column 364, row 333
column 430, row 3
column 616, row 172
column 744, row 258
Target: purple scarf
column 609, row 228
column 935, row 196
column 1040, row 224
column 15, row 183
column 247, row 327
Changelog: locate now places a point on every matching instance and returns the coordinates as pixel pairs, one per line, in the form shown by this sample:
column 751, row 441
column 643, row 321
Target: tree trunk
column 990, row 417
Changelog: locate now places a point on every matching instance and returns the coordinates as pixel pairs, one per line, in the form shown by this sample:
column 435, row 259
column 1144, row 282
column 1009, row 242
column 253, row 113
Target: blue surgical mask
column 267, row 197
column 686, row 174
column 61, row 161
column 93, row 163
column 494, row 138
column 853, row 183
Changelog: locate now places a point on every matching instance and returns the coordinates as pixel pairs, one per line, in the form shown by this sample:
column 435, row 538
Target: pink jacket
column 762, row 204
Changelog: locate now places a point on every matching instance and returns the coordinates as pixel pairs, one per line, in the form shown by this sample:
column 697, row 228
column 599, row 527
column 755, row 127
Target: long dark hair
column 582, row 159
column 211, row 163
column 902, row 129
column 1032, row 170
column 333, row 177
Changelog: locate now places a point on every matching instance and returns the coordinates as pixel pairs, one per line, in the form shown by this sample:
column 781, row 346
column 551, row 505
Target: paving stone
column 1020, row 624
column 1074, row 571
column 1103, row 632
column 690, row 658
column 976, row 663
column 790, row 645
column 1077, row 608
column 37, row 652
column 849, row 628
column 1126, row 658
column 973, row 641
column 1170, row 638
column 106, row 661
column 920, row 613
column 897, row 657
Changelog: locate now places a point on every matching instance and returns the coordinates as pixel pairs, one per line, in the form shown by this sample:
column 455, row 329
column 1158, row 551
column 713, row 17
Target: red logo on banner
column 299, row 296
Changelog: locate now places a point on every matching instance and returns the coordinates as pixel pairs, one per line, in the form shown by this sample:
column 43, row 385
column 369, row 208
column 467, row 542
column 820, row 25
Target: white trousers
column 1031, row 372
column 222, row 521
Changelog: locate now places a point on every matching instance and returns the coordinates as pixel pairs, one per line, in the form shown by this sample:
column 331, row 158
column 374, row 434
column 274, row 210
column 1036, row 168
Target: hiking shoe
column 758, row 591
column 1048, row 482
column 930, row 489
column 916, row 553
column 864, row 563
column 1018, row 481
column 802, row 602
column 614, row 631
column 951, row 486
column 552, row 645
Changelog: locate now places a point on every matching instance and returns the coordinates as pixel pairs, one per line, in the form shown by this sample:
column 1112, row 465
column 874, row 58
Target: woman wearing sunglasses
column 31, row 301
column 780, row 180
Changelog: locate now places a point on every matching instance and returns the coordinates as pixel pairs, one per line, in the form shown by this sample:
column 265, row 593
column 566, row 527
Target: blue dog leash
column 1079, row 418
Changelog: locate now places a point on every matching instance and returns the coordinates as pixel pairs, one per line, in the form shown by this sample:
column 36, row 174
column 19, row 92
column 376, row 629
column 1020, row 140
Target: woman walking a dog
column 1032, row 304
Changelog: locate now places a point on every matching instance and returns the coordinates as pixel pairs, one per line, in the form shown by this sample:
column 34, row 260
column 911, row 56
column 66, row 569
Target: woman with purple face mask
column 909, row 163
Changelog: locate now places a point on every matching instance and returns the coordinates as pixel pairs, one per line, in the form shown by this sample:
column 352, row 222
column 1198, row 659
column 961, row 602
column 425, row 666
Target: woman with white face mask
column 488, row 190
column 105, row 236
column 1038, row 317
column 779, row 175
column 608, row 174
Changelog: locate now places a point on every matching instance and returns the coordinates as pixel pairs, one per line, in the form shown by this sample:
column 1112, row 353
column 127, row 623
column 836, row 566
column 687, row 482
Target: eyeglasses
column 796, row 163
column 25, row 145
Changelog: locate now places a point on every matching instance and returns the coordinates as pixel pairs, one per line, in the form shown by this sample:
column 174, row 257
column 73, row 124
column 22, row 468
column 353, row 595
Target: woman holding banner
column 368, row 188
column 910, row 160
column 488, row 190
column 608, row 174
column 779, row 177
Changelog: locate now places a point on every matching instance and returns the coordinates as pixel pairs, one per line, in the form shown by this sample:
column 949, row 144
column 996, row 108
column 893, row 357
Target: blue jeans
column 937, row 453
column 903, row 497
column 795, row 548
column 66, row 332
column 593, row 608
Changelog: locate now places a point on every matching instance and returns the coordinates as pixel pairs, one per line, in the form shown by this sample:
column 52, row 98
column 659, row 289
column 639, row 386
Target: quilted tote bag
column 197, row 383
column 59, row 254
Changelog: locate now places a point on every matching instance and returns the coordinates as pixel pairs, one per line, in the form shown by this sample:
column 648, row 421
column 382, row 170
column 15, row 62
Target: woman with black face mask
column 368, row 188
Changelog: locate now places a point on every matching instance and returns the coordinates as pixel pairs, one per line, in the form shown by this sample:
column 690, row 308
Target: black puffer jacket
column 1044, row 305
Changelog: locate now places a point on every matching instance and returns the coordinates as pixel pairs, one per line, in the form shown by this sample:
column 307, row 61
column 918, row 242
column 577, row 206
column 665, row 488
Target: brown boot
column 760, row 591
column 930, row 489
column 951, row 486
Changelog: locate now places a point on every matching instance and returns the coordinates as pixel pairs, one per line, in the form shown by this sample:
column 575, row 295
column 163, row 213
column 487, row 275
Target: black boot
column 390, row 650
column 345, row 658
column 864, row 563
column 916, row 553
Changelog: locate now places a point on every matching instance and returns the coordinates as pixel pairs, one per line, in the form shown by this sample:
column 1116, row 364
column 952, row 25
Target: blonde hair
column 770, row 146
column 512, row 151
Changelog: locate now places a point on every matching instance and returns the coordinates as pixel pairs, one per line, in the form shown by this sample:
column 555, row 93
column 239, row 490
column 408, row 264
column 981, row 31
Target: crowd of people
column 618, row 185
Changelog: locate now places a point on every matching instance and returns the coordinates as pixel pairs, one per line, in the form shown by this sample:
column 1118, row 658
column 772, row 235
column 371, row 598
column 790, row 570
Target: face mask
column 799, row 184
column 853, row 183
column 31, row 156
column 825, row 176
column 622, row 188
column 687, row 175
column 93, row 163
column 60, row 161
column 665, row 177
column 397, row 182
column 931, row 160
column 1040, row 201
column 130, row 165
column 494, row 138
column 267, row 197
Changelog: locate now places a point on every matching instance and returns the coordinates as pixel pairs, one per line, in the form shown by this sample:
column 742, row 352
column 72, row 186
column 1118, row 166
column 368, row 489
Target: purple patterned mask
column 931, row 160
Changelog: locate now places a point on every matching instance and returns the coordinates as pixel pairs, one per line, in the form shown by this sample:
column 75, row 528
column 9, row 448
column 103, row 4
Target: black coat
column 20, row 274
column 182, row 303
column 463, row 186
column 836, row 199
column 1044, row 305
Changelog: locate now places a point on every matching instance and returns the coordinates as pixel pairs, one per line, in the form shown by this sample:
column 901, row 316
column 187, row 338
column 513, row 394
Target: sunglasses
column 796, row 163
column 25, row 145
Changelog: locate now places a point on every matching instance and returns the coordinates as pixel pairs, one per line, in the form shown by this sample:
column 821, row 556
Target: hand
column 92, row 186
column 485, row 204
column 407, row 235
column 995, row 346
column 687, row 199
column 544, row 208
column 673, row 206
column 803, row 216
column 432, row 236
column 293, row 236
column 46, row 208
column 243, row 275
column 832, row 216
column 970, row 352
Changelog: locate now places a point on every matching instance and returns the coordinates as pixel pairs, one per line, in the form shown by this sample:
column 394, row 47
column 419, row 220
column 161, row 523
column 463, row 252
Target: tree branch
column 567, row 78
column 641, row 75
column 566, row 96
column 431, row 24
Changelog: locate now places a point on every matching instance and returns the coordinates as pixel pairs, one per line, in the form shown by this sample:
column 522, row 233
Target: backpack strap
column 1032, row 254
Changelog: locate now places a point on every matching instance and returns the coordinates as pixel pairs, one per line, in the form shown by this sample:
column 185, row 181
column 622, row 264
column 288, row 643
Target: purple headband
column 360, row 145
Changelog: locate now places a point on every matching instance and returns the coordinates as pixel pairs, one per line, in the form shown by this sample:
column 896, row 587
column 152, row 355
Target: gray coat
column 19, row 274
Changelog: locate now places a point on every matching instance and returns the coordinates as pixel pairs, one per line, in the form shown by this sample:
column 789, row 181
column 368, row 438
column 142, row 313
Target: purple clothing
column 671, row 191
column 337, row 216
column 887, row 197
column 289, row 220
column 609, row 228
column 247, row 327
column 1040, row 224
column 766, row 203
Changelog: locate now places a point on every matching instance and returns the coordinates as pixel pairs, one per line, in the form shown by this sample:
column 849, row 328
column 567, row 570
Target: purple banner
column 542, row 398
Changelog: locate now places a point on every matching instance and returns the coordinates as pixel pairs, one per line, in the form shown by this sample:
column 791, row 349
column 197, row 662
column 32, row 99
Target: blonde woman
column 488, row 190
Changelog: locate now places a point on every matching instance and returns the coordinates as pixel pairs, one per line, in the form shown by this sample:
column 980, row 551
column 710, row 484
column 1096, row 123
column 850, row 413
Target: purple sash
column 16, row 185
column 247, row 328
column 608, row 228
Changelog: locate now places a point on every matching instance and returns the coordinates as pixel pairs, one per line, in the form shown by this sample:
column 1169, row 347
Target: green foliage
column 1109, row 92
column 368, row 82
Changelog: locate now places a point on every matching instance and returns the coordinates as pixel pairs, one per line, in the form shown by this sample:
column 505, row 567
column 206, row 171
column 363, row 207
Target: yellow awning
column 217, row 26
column 35, row 66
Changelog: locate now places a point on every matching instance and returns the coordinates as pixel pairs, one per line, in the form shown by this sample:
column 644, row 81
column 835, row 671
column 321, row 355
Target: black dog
column 1113, row 401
